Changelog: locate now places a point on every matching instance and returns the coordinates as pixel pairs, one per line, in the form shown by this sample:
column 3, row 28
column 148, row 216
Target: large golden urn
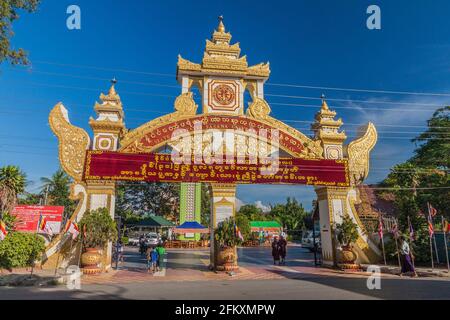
column 227, row 259
column 348, row 255
column 90, row 261
column 348, row 258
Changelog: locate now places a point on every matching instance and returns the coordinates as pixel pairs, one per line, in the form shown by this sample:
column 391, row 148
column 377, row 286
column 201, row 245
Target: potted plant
column 226, row 242
column 97, row 230
column 347, row 234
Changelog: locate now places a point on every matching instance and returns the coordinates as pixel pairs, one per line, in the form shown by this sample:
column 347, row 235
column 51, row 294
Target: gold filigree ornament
column 258, row 109
column 73, row 142
column 185, row 104
column 358, row 154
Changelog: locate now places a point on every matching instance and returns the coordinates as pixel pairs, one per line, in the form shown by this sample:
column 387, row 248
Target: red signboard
column 28, row 217
column 159, row 167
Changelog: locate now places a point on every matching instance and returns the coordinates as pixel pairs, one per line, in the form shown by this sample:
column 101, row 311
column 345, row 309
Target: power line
column 267, row 94
column 103, row 69
column 268, row 83
column 31, row 71
column 358, row 90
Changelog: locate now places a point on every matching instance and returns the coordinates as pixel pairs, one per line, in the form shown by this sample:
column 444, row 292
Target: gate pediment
column 157, row 133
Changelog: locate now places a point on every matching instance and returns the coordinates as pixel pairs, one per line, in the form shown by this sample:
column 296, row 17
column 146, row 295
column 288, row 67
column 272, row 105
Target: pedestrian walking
column 142, row 248
column 275, row 251
column 406, row 258
column 161, row 252
column 282, row 244
column 120, row 251
column 152, row 260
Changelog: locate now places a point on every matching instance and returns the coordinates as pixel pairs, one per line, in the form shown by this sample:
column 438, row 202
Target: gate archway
column 222, row 78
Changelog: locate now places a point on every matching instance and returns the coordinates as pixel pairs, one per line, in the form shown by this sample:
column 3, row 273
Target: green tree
column 162, row 199
column 290, row 215
column 30, row 198
column 12, row 183
column 57, row 189
column 205, row 204
column 243, row 224
column 252, row 212
column 8, row 14
column 421, row 179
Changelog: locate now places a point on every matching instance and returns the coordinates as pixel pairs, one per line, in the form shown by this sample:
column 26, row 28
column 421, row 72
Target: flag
column 238, row 232
column 3, row 231
column 394, row 230
column 430, row 225
column 446, row 227
column 380, row 227
column 73, row 230
column 431, row 211
column 43, row 226
column 411, row 231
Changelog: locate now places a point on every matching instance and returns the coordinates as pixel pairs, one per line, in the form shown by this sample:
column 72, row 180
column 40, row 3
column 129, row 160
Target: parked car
column 308, row 242
column 133, row 241
column 152, row 239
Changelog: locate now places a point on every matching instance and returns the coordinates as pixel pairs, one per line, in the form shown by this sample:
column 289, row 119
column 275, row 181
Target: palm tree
column 12, row 183
column 57, row 188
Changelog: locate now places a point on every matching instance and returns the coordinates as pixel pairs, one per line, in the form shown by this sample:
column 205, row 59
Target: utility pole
column 46, row 196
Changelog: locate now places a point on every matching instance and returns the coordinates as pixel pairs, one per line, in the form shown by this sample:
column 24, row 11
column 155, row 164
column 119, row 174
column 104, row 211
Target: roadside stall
column 187, row 229
column 264, row 231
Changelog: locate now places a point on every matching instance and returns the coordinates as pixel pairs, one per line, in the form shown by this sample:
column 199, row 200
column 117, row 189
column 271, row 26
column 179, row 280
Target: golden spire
column 110, row 102
column 112, row 90
column 324, row 102
column 112, row 96
column 221, row 27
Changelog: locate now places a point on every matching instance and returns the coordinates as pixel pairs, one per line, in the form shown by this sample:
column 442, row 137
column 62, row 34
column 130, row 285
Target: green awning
column 264, row 225
column 154, row 221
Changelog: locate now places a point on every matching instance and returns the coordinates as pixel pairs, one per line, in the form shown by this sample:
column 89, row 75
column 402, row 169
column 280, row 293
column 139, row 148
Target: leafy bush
column 244, row 225
column 420, row 248
column 125, row 240
column 225, row 233
column 9, row 220
column 347, row 231
column 100, row 228
column 20, row 249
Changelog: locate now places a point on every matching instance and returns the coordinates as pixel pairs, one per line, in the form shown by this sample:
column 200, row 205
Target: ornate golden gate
column 222, row 78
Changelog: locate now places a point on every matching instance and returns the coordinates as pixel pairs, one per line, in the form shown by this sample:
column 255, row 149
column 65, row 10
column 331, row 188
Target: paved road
column 300, row 280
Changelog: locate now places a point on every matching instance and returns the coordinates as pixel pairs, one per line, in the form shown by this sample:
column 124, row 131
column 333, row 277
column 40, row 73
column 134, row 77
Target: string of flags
column 43, row 226
column 72, row 229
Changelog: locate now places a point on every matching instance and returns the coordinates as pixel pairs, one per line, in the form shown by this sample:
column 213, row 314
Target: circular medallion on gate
column 223, row 94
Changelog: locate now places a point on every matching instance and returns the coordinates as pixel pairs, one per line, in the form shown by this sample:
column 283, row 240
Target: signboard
column 153, row 167
column 223, row 212
column 28, row 217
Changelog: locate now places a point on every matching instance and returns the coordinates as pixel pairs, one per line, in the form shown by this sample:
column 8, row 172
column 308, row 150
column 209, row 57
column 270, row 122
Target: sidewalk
column 421, row 271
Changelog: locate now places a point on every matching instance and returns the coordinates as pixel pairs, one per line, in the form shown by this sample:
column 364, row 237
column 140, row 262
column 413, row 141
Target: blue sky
column 313, row 43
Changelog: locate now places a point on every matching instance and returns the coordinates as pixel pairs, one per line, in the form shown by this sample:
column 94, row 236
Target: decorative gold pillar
column 101, row 194
column 108, row 129
column 332, row 204
column 223, row 206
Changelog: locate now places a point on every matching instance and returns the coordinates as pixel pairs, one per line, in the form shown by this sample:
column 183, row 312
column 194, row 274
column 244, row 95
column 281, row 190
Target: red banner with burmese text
column 152, row 167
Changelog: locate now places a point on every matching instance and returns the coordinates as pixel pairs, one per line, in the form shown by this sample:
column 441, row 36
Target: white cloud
column 261, row 206
column 239, row 203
